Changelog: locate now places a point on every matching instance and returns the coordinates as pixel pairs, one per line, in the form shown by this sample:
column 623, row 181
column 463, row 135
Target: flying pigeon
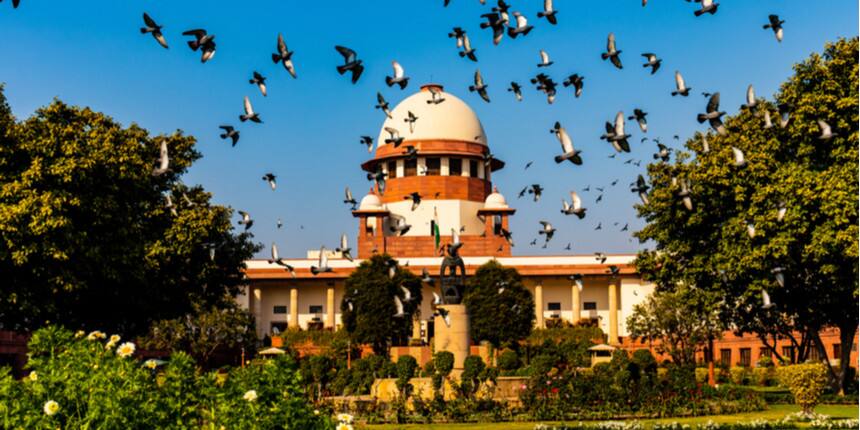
column 230, row 132
column 260, row 81
column 779, row 274
column 284, row 56
column 344, row 248
column 393, row 136
column 480, row 87
column 322, row 263
column 568, row 152
column 367, row 141
column 740, row 161
column 708, row 6
column 249, row 113
column 351, row 63
column 612, row 53
column 416, row 199
column 163, row 160
column 652, row 61
column 468, row 51
column 775, row 24
column 522, row 26
column 663, row 153
column 641, row 188
column 151, row 27
column 781, row 209
column 681, row 87
column 270, row 179
column 576, row 81
column 458, row 33
column 546, row 229
column 202, row 41
column 382, row 105
column 600, row 257
column 348, row 198
column 750, row 229
column 379, row 177
column 276, row 259
column 544, row 59
column 639, row 115
column 246, row 220
column 765, row 300
column 548, row 12
column 400, row 227
column 435, row 96
column 517, row 90
column 399, row 77
column 685, row 193
column 616, row 134
column 577, row 279
column 713, row 114
column 411, row 118
column 750, row 97
column 495, row 22
column 826, row 132
column 536, row 189
column 575, row 207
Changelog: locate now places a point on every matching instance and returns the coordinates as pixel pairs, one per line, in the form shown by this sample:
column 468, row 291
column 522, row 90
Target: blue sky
column 92, row 54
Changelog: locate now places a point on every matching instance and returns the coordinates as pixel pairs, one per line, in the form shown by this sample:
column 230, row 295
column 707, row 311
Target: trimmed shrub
column 739, row 375
column 406, row 366
column 805, row 381
column 509, row 361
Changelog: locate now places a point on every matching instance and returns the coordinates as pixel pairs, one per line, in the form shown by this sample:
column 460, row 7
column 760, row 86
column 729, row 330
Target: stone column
column 329, row 308
column 256, row 301
column 539, row 305
column 575, row 304
column 453, row 335
column 416, row 327
column 613, row 311
column 294, row 308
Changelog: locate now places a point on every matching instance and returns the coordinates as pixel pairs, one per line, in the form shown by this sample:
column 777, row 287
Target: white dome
column 451, row 119
column 370, row 202
column 495, row 201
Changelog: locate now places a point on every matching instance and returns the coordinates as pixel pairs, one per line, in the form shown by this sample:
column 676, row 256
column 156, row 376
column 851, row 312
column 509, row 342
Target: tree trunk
column 818, row 344
column 846, row 339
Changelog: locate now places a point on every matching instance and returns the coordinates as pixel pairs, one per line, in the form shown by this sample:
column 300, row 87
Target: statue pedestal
column 453, row 337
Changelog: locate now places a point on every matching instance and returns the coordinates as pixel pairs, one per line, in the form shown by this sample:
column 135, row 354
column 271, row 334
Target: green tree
column 86, row 237
column 807, row 260
column 204, row 331
column 501, row 310
column 406, row 367
column 368, row 306
column 678, row 323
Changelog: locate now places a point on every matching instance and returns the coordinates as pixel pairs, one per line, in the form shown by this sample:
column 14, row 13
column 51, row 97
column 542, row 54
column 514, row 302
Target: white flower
column 33, row 376
column 250, row 395
column 95, row 335
column 125, row 350
column 114, row 339
column 344, row 426
column 51, row 407
column 150, row 364
column 344, row 418
column 79, row 334
column 316, row 411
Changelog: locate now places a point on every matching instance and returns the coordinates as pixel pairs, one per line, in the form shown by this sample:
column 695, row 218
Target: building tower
column 452, row 175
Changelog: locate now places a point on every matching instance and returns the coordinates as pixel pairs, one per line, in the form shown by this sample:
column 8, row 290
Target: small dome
column 495, row 201
column 451, row 119
column 370, row 202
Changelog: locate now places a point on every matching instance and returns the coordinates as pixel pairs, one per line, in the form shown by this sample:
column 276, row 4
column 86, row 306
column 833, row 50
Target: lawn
column 774, row 412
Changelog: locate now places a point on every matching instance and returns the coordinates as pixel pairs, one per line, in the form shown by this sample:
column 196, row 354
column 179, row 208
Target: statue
column 452, row 285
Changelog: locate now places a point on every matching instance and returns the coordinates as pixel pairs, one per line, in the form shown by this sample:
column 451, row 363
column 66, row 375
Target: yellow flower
column 250, row 395
column 150, row 364
column 344, row 418
column 33, row 376
column 343, row 426
column 51, row 407
column 125, row 350
column 79, row 334
column 316, row 411
column 114, row 339
column 95, row 335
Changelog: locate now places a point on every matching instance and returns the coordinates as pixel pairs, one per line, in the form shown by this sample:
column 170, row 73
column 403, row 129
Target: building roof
column 452, row 119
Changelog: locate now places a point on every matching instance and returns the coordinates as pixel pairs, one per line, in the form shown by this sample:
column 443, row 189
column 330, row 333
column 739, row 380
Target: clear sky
column 91, row 53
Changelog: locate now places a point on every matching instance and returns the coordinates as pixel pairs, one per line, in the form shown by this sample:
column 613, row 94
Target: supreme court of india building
column 455, row 183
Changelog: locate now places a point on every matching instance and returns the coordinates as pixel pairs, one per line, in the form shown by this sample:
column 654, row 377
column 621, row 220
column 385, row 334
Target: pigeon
column 399, row 77
column 547, row 229
column 599, row 198
column 544, row 59
column 781, row 209
column 740, row 161
column 613, row 270
column 382, row 105
column 548, row 12
column 708, row 6
column 280, row 223
column 348, row 198
column 625, row 228
column 416, row 199
column 575, row 207
column 713, row 114
column 15, row 3
column 230, row 132
column 351, row 63
column 750, row 96
column 750, row 230
column 826, row 132
column 393, row 136
column 517, row 90
column 616, row 134
column 435, row 96
column 249, row 113
column 576, row 81
column 411, row 118
column 600, row 257
column 203, row 41
column 276, row 259
column 784, row 114
column 495, row 22
column 768, row 123
column 765, row 300
column 529, row 164
column 458, row 34
column 568, row 152
column 322, row 263
column 468, row 51
column 775, row 24
column 502, row 9
column 533, row 242
column 169, row 204
column 577, row 279
column 425, row 277
column 407, row 295
column 681, row 87
column 612, row 53
column 663, row 153
column 153, row 28
column 163, row 160
column 480, row 87
column 536, row 189
column 379, row 177
column 509, row 237
column 400, row 227
column 652, row 61
column 344, row 248
column 779, row 274
column 246, row 220
column 547, row 85
column 639, row 115
column 522, row 26
column 367, row 141
column 270, row 178
column 260, row 81
column 641, row 188
column 284, row 56
column 684, row 194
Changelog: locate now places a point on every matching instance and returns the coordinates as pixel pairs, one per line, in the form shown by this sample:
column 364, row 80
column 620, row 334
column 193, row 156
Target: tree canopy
column 501, row 309
column 781, row 226
column 87, row 238
column 368, row 306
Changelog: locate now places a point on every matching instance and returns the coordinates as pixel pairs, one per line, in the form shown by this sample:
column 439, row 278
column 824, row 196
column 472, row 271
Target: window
column 837, row 351
column 765, row 352
column 392, row 169
column 410, row 167
column 746, row 357
column 434, row 166
column 279, row 309
column 553, row 306
column 497, row 225
column 455, row 167
column 473, row 168
column 788, row 353
column 589, row 306
column 315, row 309
column 725, row 357
column 814, row 354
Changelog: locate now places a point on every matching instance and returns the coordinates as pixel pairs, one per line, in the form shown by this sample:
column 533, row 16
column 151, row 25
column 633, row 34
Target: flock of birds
column 513, row 24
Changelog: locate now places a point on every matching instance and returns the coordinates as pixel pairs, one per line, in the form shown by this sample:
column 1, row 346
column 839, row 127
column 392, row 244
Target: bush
column 701, row 375
column 80, row 381
column 739, row 375
column 444, row 362
column 764, row 361
column 806, row 383
column 763, row 376
column 406, row 366
column 473, row 370
column 509, row 361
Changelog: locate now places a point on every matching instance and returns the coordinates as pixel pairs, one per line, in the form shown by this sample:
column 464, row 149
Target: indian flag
column 434, row 228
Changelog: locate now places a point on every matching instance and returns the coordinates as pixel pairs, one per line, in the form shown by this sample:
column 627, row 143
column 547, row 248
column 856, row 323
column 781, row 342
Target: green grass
column 773, row 412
